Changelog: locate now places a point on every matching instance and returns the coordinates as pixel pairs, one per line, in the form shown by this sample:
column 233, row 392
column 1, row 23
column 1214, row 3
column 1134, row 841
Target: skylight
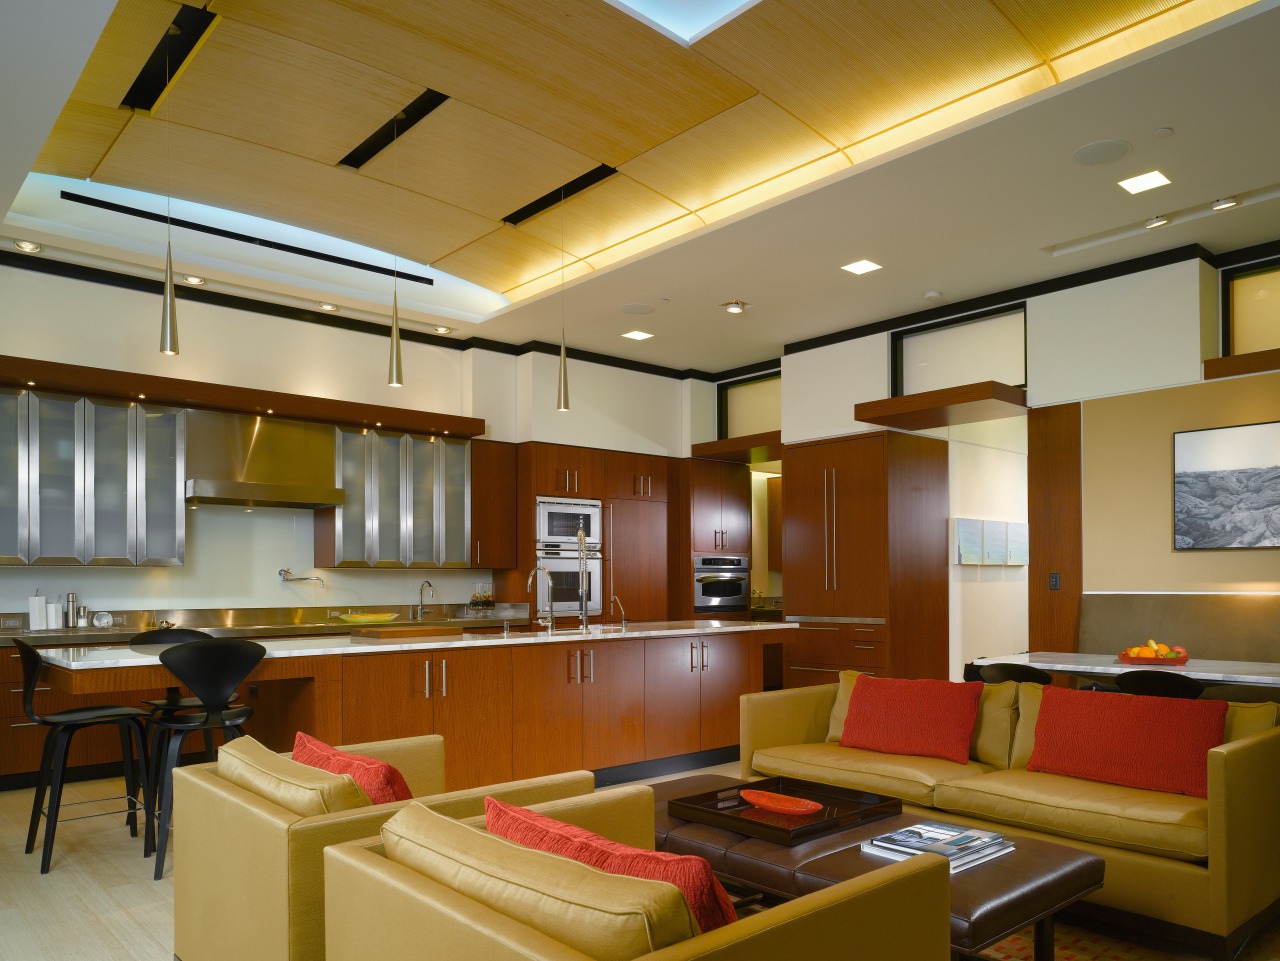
column 684, row 20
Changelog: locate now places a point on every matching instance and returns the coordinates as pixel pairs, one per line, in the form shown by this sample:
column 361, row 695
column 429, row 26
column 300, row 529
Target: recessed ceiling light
column 142, row 397
column 1158, row 221
column 31, row 383
column 933, row 295
column 441, row 329
column 861, row 267
column 1147, row 181
column 28, row 246
column 270, row 411
column 736, row 306
column 328, row 306
column 637, row 335
column 1223, row 203
column 193, row 280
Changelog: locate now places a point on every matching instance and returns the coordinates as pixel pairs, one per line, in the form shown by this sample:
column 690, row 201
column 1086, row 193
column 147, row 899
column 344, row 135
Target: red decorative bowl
column 1153, row 661
column 780, row 803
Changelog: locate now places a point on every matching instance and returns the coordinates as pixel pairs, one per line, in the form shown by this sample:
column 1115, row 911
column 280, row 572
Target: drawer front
column 10, row 666
column 20, row 745
column 838, row 645
column 802, row 674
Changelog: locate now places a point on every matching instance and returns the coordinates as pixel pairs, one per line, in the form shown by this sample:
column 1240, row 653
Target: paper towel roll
column 35, row 613
column 53, row 615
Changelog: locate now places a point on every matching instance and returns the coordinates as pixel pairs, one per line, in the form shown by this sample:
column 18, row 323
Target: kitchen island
column 509, row 706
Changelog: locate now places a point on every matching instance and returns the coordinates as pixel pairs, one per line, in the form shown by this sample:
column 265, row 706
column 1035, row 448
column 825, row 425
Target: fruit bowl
column 1153, row 661
column 780, row 803
column 368, row 618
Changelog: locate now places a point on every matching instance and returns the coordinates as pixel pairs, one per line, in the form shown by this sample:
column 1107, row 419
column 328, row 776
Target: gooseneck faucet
column 550, row 620
column 582, row 575
column 617, row 601
column 422, row 607
column 286, row 575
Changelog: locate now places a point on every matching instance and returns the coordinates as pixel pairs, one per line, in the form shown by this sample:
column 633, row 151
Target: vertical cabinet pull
column 577, row 663
column 477, row 553
column 693, row 651
column 566, row 480
column 444, row 678
column 706, row 661
column 575, row 482
column 591, row 665
column 427, row 679
column 648, row 486
column 612, row 562
column 835, row 526
column 826, row 573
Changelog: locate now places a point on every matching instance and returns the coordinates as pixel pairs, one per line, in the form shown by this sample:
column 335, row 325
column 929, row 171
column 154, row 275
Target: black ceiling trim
column 553, row 197
column 1010, row 297
column 243, row 238
column 167, row 58
column 607, row 360
column 386, row 135
column 757, row 371
column 1256, row 254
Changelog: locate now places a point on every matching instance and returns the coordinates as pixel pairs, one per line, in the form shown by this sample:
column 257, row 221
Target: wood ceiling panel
column 211, row 169
column 578, row 71
column 504, row 259
column 853, row 68
column 744, row 146
column 80, row 139
column 252, row 85
column 603, row 215
column 477, row 161
column 1056, row 27
column 132, row 32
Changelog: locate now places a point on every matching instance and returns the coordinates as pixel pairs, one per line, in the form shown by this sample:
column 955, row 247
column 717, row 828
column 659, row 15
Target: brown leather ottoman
column 989, row 902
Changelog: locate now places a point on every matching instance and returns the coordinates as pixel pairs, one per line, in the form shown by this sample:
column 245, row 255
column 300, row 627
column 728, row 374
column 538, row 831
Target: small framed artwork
column 995, row 542
column 1019, row 554
column 968, row 540
column 1226, row 488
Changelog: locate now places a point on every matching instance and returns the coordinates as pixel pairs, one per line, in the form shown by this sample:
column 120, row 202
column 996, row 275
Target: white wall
column 820, row 387
column 987, row 477
column 1137, row 332
column 489, row 391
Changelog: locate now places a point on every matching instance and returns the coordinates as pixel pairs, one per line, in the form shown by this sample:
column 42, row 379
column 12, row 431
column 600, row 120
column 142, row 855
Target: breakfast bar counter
column 1255, row 673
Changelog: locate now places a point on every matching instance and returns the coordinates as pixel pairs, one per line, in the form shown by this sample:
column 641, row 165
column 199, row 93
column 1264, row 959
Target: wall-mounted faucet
column 422, row 607
column 286, row 575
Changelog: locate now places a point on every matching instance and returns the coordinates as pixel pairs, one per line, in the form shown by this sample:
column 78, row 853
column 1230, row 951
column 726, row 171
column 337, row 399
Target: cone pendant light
column 395, row 372
column 562, row 385
column 168, row 313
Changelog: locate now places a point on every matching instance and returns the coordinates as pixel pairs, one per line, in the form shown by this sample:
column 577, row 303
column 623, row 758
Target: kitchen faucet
column 617, row 601
column 550, row 621
column 422, row 607
column 286, row 575
column 582, row 576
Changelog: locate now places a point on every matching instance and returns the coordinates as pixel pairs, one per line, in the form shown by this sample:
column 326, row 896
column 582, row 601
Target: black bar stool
column 212, row 669
column 999, row 673
column 1157, row 683
column 62, row 726
column 173, row 702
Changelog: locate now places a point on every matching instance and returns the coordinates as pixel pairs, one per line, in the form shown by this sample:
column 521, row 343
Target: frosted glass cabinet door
column 454, row 508
column 161, row 481
column 351, row 449
column 56, row 488
column 13, row 476
column 110, row 491
column 388, row 523
column 422, row 464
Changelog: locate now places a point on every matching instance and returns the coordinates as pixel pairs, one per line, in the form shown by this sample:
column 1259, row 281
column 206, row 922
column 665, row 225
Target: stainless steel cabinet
column 407, row 502
column 89, row 481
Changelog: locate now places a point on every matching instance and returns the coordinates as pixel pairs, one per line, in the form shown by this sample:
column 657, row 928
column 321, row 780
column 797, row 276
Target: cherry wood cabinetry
column 582, row 705
column 692, row 686
column 493, row 504
column 719, row 506
column 865, row 537
column 636, row 476
column 636, row 560
column 816, row 653
column 464, row 695
column 567, row 471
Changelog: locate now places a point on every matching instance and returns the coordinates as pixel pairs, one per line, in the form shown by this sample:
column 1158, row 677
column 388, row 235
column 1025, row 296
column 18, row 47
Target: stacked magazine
column 963, row 847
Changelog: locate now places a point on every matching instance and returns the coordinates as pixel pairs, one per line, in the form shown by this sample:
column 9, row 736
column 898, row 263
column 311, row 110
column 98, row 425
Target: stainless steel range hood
column 259, row 461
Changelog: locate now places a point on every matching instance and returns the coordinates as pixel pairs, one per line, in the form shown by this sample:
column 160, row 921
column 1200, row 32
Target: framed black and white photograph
column 1226, row 488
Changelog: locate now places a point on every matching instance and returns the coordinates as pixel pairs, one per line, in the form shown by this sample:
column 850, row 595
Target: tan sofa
column 1206, row 865
column 247, row 876
column 380, row 908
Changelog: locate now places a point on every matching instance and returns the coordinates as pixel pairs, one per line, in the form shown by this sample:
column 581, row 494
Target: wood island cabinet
column 692, row 687
column 582, row 706
column 567, row 471
column 493, row 504
column 719, row 507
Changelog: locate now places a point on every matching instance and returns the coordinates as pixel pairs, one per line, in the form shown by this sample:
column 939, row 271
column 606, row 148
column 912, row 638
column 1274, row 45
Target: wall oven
column 721, row 583
column 558, row 520
column 564, row 566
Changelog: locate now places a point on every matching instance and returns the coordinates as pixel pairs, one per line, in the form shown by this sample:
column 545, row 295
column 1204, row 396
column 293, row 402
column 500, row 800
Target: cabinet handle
column 824, row 670
column 427, row 679
column 477, row 553
column 566, row 480
column 805, row 627
column 575, row 482
column 648, row 485
column 864, row 647
column 612, row 562
column 706, row 661
column 25, row 724
column 826, row 527
column 835, row 528
column 865, row 630
column 444, row 678
column 18, row 690
column 591, row 665
column 574, row 675
column 636, row 479
column 692, row 654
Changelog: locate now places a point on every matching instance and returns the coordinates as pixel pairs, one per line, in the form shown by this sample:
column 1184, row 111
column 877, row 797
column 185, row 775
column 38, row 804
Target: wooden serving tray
column 1153, row 661
column 841, row 808
column 376, row 633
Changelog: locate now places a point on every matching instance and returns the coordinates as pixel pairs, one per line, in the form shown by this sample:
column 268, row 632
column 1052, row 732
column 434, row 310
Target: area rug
column 1072, row 943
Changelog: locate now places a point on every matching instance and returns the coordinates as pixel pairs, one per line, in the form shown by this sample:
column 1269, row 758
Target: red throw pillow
column 378, row 779
column 922, row 717
column 707, row 899
column 1156, row 743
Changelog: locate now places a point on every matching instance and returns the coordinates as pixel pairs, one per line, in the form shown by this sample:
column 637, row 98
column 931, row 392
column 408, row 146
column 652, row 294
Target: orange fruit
column 1146, row 652
column 1162, row 648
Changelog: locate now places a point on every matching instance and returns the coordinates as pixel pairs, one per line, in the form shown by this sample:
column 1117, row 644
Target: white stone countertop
column 92, row 658
column 1256, row 673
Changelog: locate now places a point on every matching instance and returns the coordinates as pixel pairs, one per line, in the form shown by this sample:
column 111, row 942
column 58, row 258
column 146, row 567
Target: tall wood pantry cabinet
column 865, row 557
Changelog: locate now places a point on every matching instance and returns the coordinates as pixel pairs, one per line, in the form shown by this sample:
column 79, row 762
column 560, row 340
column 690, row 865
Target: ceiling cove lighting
column 1224, row 203
column 193, row 280
column 1158, row 221
column 1147, row 181
column 28, row 246
column 441, row 329
column 736, row 306
column 637, row 335
column 328, row 306
column 861, row 267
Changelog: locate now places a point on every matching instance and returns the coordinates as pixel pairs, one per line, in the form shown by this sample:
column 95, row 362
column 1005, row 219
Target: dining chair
column 999, row 673
column 62, row 727
column 212, row 668
column 1157, row 683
